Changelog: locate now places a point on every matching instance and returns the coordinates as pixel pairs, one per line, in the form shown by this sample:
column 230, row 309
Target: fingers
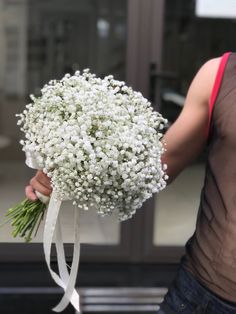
column 39, row 182
column 43, row 179
column 29, row 192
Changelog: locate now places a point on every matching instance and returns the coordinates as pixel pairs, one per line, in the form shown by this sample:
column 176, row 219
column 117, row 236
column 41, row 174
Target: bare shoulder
column 210, row 68
column 203, row 82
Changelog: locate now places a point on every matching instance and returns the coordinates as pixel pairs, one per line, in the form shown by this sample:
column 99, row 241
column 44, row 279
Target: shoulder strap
column 216, row 85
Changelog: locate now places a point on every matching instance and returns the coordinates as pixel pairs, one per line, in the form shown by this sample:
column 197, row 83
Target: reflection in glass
column 188, row 42
column 177, row 206
column 43, row 40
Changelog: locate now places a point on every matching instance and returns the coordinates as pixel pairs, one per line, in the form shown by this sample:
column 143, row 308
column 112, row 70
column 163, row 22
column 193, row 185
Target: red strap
column 217, row 84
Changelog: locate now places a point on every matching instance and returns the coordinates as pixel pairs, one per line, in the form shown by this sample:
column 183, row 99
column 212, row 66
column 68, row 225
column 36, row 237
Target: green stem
column 36, row 220
column 25, row 217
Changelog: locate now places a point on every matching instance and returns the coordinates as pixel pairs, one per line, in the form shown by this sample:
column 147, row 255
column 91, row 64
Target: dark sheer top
column 211, row 252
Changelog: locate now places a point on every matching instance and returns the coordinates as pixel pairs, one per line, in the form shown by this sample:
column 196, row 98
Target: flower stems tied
column 25, row 218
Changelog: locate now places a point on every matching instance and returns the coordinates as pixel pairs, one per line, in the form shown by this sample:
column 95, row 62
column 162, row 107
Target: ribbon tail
column 50, row 224
column 51, row 219
column 65, row 280
column 31, row 161
column 71, row 294
column 63, row 271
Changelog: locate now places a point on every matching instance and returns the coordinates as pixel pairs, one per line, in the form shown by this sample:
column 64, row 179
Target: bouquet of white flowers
column 98, row 141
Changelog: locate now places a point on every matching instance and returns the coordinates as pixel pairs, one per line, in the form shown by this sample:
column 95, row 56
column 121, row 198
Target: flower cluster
column 98, row 140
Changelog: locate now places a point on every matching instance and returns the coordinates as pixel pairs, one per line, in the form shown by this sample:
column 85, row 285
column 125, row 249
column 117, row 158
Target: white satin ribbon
column 31, row 161
column 66, row 280
column 43, row 198
column 70, row 293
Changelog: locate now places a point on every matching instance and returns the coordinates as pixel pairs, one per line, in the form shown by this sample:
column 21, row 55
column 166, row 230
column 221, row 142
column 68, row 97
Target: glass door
column 188, row 42
column 42, row 40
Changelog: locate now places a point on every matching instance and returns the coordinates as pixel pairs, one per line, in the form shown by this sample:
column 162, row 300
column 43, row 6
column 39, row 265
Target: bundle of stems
column 25, row 218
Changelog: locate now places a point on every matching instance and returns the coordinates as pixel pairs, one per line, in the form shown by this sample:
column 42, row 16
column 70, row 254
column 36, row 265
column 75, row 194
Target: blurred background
column 156, row 46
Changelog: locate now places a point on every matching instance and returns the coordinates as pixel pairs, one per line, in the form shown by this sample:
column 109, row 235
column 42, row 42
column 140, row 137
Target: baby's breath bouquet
column 98, row 141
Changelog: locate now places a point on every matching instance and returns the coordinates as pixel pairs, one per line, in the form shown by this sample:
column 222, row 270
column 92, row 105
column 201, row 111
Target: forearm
column 182, row 146
column 174, row 163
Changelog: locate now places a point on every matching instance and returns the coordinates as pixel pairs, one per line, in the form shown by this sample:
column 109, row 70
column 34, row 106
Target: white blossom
column 98, row 140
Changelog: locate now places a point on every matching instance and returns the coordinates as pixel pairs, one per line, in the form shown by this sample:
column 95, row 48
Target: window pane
column 43, row 40
column 188, row 42
column 176, row 208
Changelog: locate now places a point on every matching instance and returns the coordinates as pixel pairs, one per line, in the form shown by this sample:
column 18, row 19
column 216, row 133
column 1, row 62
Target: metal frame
column 147, row 58
column 121, row 299
column 105, row 300
column 145, row 42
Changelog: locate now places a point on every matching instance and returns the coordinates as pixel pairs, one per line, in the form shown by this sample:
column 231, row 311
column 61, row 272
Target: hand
column 41, row 183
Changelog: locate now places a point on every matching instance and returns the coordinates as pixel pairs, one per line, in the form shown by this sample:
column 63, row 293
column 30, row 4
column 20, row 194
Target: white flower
column 98, row 141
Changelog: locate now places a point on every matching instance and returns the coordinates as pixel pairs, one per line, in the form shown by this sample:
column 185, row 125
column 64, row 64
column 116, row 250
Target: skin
column 184, row 140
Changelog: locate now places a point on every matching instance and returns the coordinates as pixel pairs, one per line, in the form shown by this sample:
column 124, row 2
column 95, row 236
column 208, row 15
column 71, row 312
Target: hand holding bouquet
column 98, row 141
